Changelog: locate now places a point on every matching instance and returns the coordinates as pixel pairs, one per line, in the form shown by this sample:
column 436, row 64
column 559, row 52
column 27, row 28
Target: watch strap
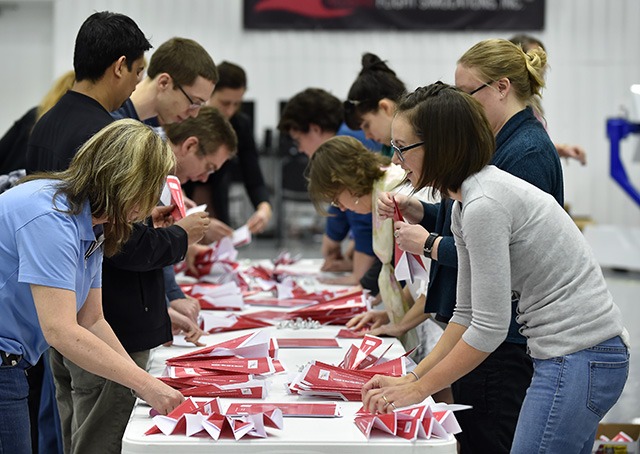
column 429, row 242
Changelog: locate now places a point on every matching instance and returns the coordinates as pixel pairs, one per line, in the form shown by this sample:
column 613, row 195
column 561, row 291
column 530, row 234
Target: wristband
column 415, row 375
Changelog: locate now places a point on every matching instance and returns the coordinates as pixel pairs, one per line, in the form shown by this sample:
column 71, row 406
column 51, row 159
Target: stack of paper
column 424, row 420
column 227, row 369
column 346, row 380
column 311, row 410
column 335, row 311
column 191, row 419
column 324, row 380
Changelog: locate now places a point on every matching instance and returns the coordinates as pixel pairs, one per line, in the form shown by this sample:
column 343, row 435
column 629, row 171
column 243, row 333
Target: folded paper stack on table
column 347, row 379
column 254, row 381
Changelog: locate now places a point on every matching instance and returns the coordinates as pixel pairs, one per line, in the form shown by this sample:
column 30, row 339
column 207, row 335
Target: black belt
column 10, row 359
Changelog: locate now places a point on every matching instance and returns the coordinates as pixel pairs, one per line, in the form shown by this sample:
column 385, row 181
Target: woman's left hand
column 410, row 237
column 386, row 399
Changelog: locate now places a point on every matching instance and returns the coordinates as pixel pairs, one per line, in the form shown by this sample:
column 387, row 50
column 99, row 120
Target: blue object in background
column 618, row 129
column 370, row 144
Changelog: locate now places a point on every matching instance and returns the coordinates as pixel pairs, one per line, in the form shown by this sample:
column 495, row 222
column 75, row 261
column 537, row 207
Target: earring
column 501, row 94
column 357, row 200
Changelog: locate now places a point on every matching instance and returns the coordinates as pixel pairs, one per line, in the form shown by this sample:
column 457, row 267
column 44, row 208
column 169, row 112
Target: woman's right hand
column 385, row 205
column 162, row 398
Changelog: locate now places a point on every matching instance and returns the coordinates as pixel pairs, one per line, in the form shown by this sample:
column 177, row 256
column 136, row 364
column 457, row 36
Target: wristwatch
column 429, row 242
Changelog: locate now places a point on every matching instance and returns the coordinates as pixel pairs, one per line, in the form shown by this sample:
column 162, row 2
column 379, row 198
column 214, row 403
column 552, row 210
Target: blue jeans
column 15, row 436
column 568, row 397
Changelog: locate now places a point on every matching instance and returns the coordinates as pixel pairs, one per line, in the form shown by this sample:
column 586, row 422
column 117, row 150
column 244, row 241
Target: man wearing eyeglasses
column 180, row 79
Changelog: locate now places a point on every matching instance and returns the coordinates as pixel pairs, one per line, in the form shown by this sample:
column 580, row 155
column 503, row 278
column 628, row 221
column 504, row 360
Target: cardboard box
column 617, row 447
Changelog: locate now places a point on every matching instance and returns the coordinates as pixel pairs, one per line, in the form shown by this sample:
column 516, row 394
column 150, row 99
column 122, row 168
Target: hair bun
column 371, row 62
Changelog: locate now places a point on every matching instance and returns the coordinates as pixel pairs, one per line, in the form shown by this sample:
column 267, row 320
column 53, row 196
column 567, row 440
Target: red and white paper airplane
column 192, row 419
column 215, row 323
column 252, row 345
column 425, row 420
column 408, row 266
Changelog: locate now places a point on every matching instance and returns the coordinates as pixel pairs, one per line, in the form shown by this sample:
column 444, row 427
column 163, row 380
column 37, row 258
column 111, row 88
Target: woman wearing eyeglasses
column 504, row 80
column 512, row 239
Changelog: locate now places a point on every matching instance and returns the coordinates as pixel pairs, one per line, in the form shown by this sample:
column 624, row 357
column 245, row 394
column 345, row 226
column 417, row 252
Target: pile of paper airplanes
column 235, row 368
column 425, row 420
column 346, row 380
column 193, row 419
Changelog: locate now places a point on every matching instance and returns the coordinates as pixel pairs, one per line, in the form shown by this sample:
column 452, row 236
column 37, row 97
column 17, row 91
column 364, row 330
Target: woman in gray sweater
column 512, row 240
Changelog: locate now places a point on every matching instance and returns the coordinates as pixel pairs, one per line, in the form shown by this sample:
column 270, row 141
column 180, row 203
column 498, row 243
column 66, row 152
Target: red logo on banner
column 309, row 8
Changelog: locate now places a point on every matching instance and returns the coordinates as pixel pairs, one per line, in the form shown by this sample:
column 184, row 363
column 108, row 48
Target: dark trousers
column 495, row 389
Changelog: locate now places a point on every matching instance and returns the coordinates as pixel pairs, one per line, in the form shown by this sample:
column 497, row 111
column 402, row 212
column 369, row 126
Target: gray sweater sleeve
column 482, row 239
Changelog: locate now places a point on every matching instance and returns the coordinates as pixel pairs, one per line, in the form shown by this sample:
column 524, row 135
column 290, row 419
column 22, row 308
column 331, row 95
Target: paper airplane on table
column 227, row 296
column 408, row 266
column 214, row 323
column 425, row 420
column 252, row 345
column 190, row 419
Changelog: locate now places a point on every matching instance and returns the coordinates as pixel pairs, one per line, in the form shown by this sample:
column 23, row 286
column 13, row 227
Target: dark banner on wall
column 394, row 14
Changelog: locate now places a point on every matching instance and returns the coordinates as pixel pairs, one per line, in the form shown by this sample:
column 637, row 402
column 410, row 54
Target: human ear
column 387, row 106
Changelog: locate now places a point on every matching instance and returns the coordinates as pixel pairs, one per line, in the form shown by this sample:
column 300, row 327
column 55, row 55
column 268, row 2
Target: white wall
column 592, row 45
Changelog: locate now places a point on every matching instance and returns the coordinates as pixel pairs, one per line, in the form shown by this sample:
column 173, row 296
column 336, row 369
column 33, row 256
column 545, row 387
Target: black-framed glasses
column 400, row 150
column 471, row 93
column 192, row 104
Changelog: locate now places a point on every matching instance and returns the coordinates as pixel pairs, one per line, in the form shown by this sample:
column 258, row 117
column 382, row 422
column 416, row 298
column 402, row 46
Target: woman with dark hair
column 54, row 228
column 372, row 100
column 512, row 239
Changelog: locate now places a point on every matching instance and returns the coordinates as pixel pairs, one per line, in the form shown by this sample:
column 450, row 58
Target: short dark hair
column 184, row 60
column 231, row 76
column 103, row 38
column 458, row 139
column 375, row 82
column 312, row 106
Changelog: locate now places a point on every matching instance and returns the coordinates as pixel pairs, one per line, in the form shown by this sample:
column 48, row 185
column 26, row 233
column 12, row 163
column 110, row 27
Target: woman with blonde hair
column 504, row 79
column 54, row 228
